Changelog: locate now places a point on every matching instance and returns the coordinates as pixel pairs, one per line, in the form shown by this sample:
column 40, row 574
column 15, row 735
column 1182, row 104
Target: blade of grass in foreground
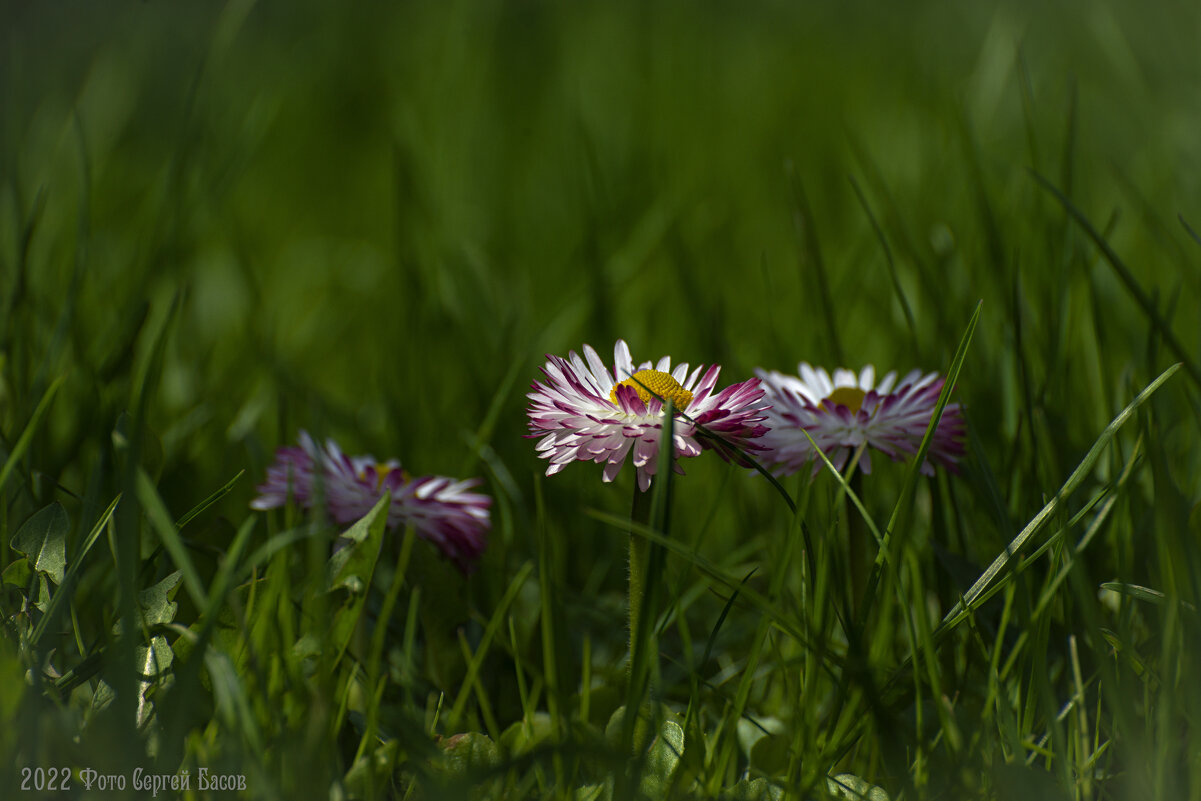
column 481, row 651
column 916, row 466
column 199, row 508
column 160, row 518
column 73, row 568
column 18, row 451
column 966, row 606
column 751, row 596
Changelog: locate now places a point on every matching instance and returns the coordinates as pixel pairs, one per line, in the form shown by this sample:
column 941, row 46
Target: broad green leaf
column 352, row 568
column 376, row 766
column 356, row 555
column 642, row 726
column 103, row 697
column 523, row 735
column 662, row 751
column 43, row 539
column 595, row 792
column 76, row 564
column 770, row 754
column 17, row 574
column 848, row 785
column 155, row 606
column 43, row 594
column 661, row 759
column 155, row 659
column 757, row 790
column 470, row 752
column 155, row 602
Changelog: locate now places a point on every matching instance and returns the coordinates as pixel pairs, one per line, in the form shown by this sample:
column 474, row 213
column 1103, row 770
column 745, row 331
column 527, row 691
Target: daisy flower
column 582, row 414
column 848, row 410
column 442, row 510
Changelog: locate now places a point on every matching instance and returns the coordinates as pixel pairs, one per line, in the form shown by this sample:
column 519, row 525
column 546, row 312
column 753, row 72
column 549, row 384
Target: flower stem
column 640, row 513
column 857, row 546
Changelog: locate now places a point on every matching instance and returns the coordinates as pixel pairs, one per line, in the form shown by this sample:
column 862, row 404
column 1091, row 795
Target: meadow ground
column 223, row 225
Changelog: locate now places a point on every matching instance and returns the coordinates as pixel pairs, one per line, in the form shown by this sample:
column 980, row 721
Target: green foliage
column 43, row 540
column 221, row 224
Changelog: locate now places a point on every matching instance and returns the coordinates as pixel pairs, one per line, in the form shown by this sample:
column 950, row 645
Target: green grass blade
column 1128, row 280
column 1191, row 231
column 481, row 651
column 762, row 604
column 160, row 519
column 199, row 508
column 964, row 607
column 73, row 568
column 915, row 467
column 889, row 263
column 35, row 420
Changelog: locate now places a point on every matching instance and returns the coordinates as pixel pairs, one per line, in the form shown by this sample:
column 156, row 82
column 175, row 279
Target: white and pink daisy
column 582, row 414
column 849, row 410
column 442, row 510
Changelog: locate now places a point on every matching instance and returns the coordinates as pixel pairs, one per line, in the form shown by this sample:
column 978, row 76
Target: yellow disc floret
column 850, row 397
column 661, row 384
column 382, row 471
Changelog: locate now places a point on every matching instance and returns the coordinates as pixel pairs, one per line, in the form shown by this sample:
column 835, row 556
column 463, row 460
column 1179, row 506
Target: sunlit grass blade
column 964, row 607
column 1141, row 593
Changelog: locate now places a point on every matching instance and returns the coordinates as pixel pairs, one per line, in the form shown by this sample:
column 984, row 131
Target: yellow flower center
column 382, row 471
column 661, row 384
column 850, row 397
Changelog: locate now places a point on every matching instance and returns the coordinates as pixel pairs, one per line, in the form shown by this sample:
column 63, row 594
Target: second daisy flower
column 847, row 411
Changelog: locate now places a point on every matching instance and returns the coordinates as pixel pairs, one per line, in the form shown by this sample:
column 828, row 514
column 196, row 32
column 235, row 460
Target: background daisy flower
column 582, row 414
column 848, row 410
column 442, row 510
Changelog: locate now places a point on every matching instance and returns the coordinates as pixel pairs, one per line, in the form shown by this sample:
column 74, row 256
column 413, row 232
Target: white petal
column 845, row 378
column 623, row 365
column 599, row 371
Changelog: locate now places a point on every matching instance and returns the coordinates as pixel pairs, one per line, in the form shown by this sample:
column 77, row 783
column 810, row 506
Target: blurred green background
column 376, row 218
